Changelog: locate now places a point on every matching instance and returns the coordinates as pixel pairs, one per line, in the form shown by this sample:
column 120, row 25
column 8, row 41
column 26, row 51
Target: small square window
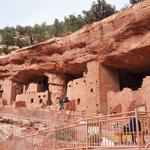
column 32, row 100
column 78, row 101
column 40, row 101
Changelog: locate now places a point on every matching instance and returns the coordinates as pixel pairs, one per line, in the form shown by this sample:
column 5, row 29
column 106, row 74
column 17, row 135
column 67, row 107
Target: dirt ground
column 13, row 127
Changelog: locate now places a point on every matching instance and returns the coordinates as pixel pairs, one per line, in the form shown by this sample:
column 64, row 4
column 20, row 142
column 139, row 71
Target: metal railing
column 48, row 115
column 130, row 130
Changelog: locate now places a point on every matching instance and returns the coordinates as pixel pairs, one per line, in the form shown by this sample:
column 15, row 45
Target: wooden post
column 86, row 134
column 40, row 113
column 100, row 132
column 32, row 142
column 53, row 144
column 147, row 146
column 137, row 130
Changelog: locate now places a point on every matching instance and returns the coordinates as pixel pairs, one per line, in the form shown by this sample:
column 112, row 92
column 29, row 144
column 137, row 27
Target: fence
column 129, row 130
column 51, row 116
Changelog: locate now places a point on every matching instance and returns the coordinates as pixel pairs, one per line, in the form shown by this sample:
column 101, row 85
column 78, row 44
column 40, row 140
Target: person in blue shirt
column 133, row 127
column 66, row 100
column 62, row 102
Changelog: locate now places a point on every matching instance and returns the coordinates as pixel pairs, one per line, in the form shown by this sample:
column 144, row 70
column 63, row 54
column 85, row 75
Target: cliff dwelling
column 35, row 92
column 102, row 68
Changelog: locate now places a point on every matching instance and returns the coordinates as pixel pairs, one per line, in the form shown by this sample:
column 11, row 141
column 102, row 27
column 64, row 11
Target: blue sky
column 30, row 12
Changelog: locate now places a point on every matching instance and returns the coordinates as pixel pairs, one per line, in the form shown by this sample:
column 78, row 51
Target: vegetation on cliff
column 18, row 37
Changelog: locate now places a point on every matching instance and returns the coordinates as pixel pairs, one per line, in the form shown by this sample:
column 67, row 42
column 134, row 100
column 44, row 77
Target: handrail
column 74, row 123
column 88, row 126
column 21, row 117
column 147, row 145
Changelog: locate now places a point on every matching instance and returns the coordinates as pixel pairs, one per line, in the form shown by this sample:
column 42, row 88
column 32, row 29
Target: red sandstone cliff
column 122, row 41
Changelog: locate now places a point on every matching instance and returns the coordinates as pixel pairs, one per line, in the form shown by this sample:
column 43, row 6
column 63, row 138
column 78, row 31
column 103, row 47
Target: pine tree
column 135, row 1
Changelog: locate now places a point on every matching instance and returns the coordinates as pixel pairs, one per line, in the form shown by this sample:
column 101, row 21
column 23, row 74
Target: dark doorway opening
column 131, row 80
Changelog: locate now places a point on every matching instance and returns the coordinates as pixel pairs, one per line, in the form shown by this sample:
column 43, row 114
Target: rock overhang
column 120, row 41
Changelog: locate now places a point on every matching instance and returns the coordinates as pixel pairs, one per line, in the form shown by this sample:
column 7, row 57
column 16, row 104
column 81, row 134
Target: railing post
column 137, row 130
column 40, row 113
column 53, row 142
column 86, row 134
column 32, row 142
column 147, row 146
column 15, row 145
column 100, row 133
column 2, row 145
column 49, row 109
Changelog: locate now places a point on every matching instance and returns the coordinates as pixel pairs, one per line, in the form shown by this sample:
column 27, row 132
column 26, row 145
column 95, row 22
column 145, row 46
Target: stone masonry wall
column 92, row 87
column 85, row 90
column 57, row 87
column 90, row 92
column 129, row 100
column 109, row 81
column 76, row 90
column 33, row 99
column 9, row 92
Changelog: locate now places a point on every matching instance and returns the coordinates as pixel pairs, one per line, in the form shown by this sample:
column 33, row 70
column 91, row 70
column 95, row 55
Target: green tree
column 20, row 30
column 8, row 39
column 9, row 29
column 58, row 28
column 20, row 42
column 135, row 1
column 40, row 32
column 51, row 31
column 29, row 32
column 102, row 10
column 73, row 23
column 4, row 50
column 88, row 17
column 126, row 6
